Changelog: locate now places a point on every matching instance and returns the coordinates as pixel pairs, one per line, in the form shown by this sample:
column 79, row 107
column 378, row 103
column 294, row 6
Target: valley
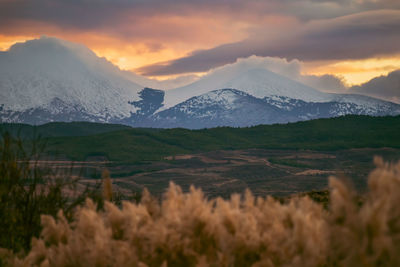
column 220, row 173
column 278, row 160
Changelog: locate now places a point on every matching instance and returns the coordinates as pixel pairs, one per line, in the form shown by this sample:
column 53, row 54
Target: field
column 277, row 160
column 181, row 226
column 221, row 173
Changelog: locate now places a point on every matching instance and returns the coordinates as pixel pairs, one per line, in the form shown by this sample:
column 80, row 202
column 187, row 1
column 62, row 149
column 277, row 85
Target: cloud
column 125, row 18
column 289, row 68
column 355, row 36
column 166, row 84
column 205, row 34
column 326, row 83
column 92, row 13
column 384, row 87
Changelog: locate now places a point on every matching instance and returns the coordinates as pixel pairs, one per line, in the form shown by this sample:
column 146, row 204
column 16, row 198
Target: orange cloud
column 145, row 40
column 355, row 72
column 7, row 41
column 141, row 41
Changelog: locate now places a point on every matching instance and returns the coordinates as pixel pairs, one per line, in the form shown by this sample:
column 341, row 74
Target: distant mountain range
column 48, row 79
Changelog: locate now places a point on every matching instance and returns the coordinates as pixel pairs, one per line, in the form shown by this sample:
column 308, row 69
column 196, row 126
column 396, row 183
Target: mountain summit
column 258, row 82
column 48, row 79
column 50, row 76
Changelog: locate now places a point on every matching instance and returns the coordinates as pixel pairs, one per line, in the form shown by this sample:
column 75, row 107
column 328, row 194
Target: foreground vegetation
column 28, row 190
column 45, row 221
column 186, row 229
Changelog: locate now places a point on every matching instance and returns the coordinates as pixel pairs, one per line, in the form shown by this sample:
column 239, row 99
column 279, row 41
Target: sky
column 355, row 40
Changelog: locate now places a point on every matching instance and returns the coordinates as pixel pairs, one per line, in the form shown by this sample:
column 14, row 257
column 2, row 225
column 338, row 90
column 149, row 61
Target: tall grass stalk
column 187, row 229
column 28, row 189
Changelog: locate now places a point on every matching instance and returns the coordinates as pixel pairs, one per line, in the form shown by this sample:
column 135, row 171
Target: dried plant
column 107, row 186
column 28, row 189
column 186, row 229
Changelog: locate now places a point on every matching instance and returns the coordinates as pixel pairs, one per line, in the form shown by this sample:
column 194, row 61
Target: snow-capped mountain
column 236, row 108
column 262, row 83
column 49, row 79
column 258, row 96
column 59, row 80
column 257, row 82
column 220, row 108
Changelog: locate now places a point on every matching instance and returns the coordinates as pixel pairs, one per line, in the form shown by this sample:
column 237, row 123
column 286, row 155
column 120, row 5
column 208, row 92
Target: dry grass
column 186, row 229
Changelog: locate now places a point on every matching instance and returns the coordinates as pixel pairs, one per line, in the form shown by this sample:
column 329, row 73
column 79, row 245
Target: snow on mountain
column 48, row 79
column 258, row 82
column 224, row 107
column 45, row 72
column 370, row 106
column 294, row 100
column 231, row 107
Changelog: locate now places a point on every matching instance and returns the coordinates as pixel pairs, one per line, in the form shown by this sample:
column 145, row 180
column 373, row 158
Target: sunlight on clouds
column 130, row 56
column 355, row 72
column 125, row 55
column 134, row 56
column 193, row 76
column 7, row 41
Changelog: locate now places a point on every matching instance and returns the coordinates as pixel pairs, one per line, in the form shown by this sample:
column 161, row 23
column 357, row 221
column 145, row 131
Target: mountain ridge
column 139, row 144
column 48, row 79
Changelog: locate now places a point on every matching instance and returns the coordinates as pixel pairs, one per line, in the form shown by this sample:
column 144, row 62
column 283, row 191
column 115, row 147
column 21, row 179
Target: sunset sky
column 353, row 39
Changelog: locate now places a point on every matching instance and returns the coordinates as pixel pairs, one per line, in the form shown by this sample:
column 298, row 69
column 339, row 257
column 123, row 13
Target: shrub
column 28, row 190
column 186, row 229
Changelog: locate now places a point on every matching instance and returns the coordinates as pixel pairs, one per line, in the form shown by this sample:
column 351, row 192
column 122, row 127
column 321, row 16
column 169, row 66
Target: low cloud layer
column 356, row 36
column 174, row 37
column 384, row 87
column 292, row 69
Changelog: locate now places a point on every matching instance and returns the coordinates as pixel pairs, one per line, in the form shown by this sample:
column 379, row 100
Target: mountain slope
column 322, row 134
column 225, row 107
column 279, row 100
column 48, row 79
column 231, row 107
column 54, row 77
column 58, row 129
column 257, row 82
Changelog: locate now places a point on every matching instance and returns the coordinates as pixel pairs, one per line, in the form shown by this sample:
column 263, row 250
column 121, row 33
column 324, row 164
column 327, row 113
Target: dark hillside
column 147, row 144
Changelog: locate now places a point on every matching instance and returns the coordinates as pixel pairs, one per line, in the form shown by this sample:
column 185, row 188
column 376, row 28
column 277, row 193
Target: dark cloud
column 326, row 83
column 356, row 36
column 292, row 69
column 384, row 87
column 123, row 19
column 322, row 31
column 98, row 14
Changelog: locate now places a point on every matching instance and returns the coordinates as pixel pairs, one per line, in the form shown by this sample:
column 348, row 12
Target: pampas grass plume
column 107, row 186
column 187, row 229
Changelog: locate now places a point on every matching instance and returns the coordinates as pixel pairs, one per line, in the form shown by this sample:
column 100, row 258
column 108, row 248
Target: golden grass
column 186, row 229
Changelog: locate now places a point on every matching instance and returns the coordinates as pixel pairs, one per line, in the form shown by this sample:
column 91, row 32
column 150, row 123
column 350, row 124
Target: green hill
column 54, row 129
column 147, row 144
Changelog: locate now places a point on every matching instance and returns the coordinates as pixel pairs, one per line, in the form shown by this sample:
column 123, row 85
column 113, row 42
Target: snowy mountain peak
column 35, row 73
column 49, row 46
column 48, row 79
column 258, row 82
